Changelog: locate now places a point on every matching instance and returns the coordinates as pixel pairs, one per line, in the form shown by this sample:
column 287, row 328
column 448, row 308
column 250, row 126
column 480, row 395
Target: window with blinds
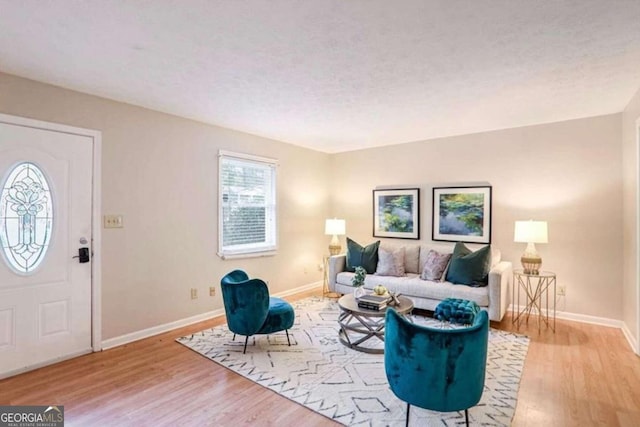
column 247, row 205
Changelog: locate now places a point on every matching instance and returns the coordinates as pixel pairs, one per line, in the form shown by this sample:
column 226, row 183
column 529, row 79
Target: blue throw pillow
column 362, row 256
column 469, row 267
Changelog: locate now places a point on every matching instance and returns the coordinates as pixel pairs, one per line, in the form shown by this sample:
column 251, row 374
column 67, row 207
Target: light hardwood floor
column 583, row 375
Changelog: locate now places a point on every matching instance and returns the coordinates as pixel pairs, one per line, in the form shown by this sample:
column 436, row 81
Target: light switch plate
column 113, row 221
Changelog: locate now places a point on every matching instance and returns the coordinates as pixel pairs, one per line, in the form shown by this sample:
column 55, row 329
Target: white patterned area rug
column 349, row 386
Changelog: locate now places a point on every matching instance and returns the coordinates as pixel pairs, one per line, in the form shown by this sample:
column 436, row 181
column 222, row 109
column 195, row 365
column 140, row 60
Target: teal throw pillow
column 362, row 256
column 469, row 267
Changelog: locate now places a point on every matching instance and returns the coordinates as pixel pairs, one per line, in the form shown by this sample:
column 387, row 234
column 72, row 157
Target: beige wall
column 567, row 173
column 630, row 188
column 160, row 172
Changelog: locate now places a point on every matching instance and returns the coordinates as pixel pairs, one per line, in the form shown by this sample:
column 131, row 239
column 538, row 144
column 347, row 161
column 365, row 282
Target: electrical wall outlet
column 212, row 291
column 113, row 221
column 562, row 291
column 194, row 293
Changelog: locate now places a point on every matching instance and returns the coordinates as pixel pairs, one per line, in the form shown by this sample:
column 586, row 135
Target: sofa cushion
column 496, row 256
column 468, row 267
column 435, row 265
column 412, row 259
column 390, row 262
column 412, row 286
column 362, row 256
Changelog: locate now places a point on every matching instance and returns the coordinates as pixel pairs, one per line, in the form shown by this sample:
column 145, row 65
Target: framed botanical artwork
column 396, row 213
column 462, row 214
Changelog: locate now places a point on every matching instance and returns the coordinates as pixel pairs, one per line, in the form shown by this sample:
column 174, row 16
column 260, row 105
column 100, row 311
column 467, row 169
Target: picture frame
column 462, row 214
column 396, row 213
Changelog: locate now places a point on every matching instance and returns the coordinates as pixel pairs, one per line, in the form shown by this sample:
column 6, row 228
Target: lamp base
column 531, row 264
column 335, row 249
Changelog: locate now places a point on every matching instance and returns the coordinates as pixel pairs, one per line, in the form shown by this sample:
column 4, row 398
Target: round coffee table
column 358, row 325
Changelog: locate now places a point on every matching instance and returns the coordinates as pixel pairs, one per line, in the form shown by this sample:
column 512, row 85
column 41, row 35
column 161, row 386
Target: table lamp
column 531, row 232
column 334, row 227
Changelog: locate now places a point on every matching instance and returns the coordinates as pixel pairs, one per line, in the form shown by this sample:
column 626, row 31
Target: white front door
column 45, row 217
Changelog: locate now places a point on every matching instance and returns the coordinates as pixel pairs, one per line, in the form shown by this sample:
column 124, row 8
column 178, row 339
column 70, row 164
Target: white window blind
column 247, row 205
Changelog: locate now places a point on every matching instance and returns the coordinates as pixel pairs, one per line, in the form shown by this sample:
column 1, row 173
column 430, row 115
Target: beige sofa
column 427, row 294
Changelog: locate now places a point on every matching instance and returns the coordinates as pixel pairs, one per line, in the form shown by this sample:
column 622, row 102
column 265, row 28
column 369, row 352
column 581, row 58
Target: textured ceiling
column 336, row 75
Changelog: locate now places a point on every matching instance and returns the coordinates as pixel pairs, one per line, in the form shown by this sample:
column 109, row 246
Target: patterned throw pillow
column 434, row 266
column 390, row 262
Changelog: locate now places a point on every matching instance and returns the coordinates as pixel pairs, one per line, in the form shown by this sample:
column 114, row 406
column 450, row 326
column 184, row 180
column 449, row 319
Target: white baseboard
column 155, row 330
column 303, row 288
column 594, row 320
column 583, row 318
column 630, row 338
column 160, row 329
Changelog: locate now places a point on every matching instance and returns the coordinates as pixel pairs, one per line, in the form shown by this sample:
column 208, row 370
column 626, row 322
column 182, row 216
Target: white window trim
column 250, row 252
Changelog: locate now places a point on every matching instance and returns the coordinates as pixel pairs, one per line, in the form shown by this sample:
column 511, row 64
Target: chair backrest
column 246, row 302
column 438, row 369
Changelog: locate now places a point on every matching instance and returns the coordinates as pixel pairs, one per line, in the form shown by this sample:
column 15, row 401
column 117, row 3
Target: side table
column 536, row 289
column 325, row 282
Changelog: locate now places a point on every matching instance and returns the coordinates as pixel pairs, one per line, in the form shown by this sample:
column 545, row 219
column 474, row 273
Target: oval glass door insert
column 26, row 217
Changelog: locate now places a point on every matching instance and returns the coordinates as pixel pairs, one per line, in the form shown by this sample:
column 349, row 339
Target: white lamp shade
column 531, row 232
column 335, row 227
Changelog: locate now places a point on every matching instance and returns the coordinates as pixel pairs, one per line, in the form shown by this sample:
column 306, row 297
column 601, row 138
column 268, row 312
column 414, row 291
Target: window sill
column 227, row 256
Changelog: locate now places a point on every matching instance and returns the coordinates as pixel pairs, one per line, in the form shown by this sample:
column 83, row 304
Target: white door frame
column 637, row 257
column 96, row 223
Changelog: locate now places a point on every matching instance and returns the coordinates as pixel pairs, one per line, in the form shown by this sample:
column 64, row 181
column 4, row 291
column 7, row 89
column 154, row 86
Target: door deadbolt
column 83, row 255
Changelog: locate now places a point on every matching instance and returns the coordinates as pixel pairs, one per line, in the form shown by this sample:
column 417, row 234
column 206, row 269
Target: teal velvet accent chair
column 250, row 310
column 437, row 369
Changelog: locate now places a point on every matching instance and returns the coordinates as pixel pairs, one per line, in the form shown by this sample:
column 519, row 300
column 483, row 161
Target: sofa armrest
column 337, row 264
column 500, row 278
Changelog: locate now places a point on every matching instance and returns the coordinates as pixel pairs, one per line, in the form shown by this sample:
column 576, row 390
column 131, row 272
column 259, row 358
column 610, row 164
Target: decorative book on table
column 372, row 307
column 375, row 299
column 373, row 302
